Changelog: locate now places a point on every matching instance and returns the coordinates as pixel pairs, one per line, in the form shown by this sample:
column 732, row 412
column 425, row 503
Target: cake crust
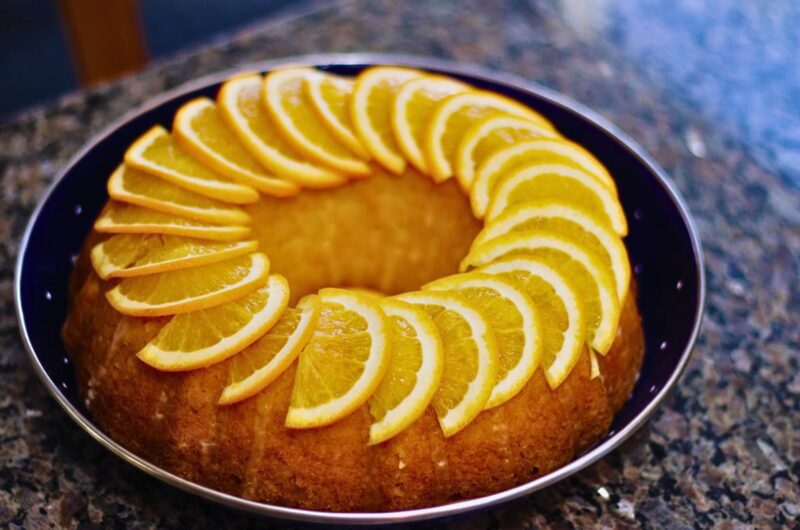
column 389, row 234
column 172, row 420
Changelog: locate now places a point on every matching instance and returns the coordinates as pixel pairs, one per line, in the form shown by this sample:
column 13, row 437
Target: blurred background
column 50, row 47
column 735, row 62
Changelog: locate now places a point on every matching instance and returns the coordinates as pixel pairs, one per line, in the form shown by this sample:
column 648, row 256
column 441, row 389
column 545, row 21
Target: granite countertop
column 725, row 447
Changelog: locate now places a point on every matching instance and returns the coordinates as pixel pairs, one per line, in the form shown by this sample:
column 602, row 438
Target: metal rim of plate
column 419, row 514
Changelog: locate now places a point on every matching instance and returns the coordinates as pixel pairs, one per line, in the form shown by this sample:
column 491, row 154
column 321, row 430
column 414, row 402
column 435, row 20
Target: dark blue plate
column 663, row 245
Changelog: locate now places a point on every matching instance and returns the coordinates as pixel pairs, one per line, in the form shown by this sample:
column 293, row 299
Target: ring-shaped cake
column 356, row 294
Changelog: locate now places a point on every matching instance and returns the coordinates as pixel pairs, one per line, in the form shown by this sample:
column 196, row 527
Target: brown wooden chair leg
column 106, row 37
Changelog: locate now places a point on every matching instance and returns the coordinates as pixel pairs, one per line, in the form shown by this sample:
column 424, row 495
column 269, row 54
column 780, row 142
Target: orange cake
column 356, row 294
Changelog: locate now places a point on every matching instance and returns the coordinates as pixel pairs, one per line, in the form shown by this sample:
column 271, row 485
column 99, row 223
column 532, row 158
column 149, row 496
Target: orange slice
column 594, row 281
column 514, row 321
column 558, row 182
column 470, row 357
column 207, row 336
column 241, row 107
column 343, row 363
column 577, row 223
column 490, row 134
column 134, row 187
column 255, row 367
column 412, row 108
column 156, row 152
column 285, row 99
column 127, row 255
column 192, row 289
column 122, row 218
column 371, row 111
column 414, row 372
column 542, row 151
column 454, row 115
column 561, row 312
column 330, row 97
column 201, row 132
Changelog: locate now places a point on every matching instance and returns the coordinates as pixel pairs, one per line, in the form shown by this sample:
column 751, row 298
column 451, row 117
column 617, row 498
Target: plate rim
column 393, row 517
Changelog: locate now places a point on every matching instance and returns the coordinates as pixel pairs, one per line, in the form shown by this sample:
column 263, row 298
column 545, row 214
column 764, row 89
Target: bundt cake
column 356, row 294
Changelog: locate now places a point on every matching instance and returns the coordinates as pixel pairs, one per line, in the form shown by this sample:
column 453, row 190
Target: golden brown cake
column 349, row 194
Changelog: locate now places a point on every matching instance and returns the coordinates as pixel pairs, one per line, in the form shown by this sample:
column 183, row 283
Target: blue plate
column 663, row 245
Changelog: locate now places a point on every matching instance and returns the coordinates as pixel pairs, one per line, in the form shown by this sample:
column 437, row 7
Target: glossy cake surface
column 469, row 245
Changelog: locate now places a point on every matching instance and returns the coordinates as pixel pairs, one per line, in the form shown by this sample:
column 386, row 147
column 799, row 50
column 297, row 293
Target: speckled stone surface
column 723, row 451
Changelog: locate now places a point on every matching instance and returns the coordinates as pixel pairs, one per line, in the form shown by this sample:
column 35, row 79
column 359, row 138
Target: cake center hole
column 384, row 233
